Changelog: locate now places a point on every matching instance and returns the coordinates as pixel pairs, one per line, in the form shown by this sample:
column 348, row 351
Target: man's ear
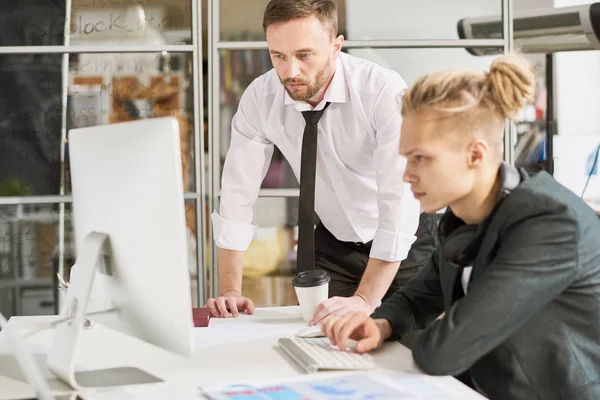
column 476, row 152
column 338, row 42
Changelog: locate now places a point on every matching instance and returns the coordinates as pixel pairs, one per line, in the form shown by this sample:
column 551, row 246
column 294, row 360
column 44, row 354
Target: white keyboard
column 314, row 354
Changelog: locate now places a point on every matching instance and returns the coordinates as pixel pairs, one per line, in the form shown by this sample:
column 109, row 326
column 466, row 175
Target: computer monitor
column 130, row 236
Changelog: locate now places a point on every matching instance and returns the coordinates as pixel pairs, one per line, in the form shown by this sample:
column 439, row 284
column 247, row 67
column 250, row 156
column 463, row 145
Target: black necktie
column 306, row 210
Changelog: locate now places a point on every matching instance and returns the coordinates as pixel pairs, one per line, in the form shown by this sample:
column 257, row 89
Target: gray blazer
column 529, row 326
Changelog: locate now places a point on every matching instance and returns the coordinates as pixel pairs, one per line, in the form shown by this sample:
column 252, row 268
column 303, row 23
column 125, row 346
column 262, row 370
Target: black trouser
column 346, row 261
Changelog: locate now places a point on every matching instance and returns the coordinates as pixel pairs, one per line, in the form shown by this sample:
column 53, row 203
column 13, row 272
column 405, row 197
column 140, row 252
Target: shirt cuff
column 232, row 235
column 391, row 246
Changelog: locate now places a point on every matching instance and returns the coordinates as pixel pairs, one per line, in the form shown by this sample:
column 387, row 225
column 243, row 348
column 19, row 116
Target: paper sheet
column 351, row 386
column 229, row 336
column 426, row 387
column 247, row 328
column 153, row 391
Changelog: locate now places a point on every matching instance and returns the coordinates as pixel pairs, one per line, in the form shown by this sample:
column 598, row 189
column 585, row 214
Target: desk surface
column 229, row 351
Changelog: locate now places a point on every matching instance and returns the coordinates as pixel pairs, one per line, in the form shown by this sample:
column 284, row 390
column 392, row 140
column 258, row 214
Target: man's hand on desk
column 230, row 304
column 339, row 306
column 368, row 333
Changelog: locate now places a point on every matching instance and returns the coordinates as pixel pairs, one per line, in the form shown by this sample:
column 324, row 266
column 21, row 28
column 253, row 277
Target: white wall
column 577, row 91
column 577, row 88
column 409, row 19
column 532, row 4
column 423, row 19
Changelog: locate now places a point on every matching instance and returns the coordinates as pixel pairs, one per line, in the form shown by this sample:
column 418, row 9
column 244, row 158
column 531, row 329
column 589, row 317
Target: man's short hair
column 286, row 10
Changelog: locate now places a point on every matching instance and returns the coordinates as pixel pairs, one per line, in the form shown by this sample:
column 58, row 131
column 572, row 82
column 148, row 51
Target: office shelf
column 76, row 49
column 39, row 200
column 23, row 283
column 275, row 193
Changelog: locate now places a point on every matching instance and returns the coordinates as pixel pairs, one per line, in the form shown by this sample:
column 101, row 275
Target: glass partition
column 29, row 259
column 107, row 88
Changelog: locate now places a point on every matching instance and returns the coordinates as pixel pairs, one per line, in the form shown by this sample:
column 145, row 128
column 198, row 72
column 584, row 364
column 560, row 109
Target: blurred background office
column 131, row 59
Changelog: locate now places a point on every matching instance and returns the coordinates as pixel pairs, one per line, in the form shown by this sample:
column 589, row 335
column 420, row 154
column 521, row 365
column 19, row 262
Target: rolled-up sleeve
column 399, row 211
column 245, row 167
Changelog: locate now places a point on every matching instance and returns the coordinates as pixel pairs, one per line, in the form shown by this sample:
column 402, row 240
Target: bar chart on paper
column 351, row 387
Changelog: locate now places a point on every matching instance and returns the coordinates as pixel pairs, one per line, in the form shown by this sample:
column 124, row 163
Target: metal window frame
column 213, row 25
column 57, row 199
column 379, row 44
column 90, row 49
column 510, row 130
column 198, row 195
column 215, row 45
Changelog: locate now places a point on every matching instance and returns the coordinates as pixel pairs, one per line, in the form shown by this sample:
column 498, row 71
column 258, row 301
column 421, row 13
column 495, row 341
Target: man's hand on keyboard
column 229, row 305
column 357, row 326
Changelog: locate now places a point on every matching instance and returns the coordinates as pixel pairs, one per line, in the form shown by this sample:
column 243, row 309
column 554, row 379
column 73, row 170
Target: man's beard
column 308, row 91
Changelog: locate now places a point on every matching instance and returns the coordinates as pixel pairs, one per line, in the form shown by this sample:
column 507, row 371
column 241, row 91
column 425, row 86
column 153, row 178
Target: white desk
column 228, row 351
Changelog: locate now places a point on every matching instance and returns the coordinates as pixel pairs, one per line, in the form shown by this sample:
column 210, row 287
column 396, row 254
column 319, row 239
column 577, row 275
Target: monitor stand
column 62, row 353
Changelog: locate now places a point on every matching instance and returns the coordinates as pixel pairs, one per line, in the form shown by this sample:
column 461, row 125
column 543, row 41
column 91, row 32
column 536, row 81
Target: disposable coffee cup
column 312, row 288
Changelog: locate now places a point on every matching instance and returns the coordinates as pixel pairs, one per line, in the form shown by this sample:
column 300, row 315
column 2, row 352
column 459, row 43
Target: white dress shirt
column 465, row 278
column 359, row 191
